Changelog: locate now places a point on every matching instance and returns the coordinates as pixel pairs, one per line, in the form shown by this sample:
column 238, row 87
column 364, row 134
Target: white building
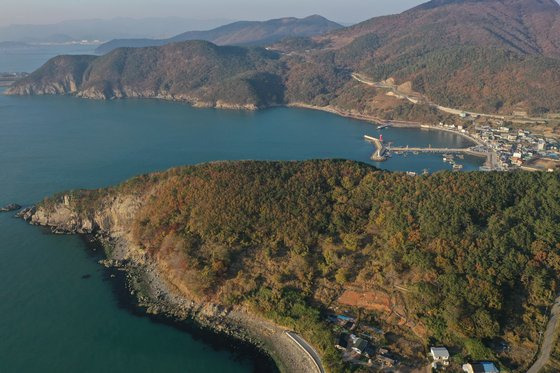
column 440, row 355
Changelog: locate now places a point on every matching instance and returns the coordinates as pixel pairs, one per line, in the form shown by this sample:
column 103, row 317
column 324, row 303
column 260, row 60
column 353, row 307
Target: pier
column 491, row 157
column 470, row 151
column 380, row 149
column 382, row 152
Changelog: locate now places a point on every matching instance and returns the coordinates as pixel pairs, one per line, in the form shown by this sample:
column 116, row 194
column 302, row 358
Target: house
column 440, row 355
column 369, row 351
column 360, row 345
column 342, row 343
column 386, row 361
column 480, row 367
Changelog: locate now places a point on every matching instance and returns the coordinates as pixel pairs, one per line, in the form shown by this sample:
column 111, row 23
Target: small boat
column 457, row 167
column 460, row 156
column 415, row 152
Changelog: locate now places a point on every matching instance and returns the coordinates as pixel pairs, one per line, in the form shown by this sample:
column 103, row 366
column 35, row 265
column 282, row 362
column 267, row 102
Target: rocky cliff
column 158, row 288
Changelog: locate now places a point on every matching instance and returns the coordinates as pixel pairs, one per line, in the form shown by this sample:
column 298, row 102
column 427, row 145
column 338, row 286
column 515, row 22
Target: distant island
column 77, row 30
column 333, row 248
column 243, row 33
column 13, row 45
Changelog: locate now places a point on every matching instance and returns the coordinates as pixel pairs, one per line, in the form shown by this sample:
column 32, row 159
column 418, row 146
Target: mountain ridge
column 240, row 33
column 481, row 56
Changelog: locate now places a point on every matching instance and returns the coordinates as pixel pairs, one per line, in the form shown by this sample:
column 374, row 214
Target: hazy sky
column 51, row 11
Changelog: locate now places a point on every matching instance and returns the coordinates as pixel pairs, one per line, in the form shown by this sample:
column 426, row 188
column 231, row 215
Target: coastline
column 379, row 121
column 127, row 299
column 141, row 286
column 152, row 294
column 221, row 105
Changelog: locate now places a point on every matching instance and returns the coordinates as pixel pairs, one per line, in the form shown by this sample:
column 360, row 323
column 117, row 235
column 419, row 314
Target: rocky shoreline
column 145, row 290
column 70, row 88
column 128, row 287
column 10, row 207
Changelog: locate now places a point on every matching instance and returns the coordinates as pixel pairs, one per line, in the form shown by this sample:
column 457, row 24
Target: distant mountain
column 104, row 29
column 492, row 56
column 244, row 33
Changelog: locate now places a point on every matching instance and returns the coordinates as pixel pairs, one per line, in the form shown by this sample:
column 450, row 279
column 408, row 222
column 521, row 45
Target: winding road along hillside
column 548, row 339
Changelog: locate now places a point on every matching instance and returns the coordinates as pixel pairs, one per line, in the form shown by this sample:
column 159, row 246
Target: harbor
column 383, row 151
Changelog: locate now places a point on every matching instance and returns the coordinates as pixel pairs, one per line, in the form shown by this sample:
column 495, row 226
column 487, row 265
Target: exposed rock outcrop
column 10, row 207
column 110, row 221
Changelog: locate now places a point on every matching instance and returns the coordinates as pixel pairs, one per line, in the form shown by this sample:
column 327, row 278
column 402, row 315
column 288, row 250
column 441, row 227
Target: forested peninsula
column 461, row 259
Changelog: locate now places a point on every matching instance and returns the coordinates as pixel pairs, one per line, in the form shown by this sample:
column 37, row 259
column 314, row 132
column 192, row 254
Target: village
column 513, row 148
column 504, row 148
column 363, row 346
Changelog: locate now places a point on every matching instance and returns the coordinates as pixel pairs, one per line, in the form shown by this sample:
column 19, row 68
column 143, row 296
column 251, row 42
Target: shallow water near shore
column 53, row 317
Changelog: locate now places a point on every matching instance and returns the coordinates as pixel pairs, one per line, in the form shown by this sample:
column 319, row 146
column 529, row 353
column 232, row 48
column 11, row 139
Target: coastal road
column 549, row 339
column 307, row 348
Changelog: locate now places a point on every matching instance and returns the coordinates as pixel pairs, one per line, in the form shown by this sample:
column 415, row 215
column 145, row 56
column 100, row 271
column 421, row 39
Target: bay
column 54, row 320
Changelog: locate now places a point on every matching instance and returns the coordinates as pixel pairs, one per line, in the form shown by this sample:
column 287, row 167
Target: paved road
column 549, row 338
column 307, row 348
column 415, row 100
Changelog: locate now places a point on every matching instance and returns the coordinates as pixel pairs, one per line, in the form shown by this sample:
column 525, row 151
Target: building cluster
column 440, row 359
column 358, row 343
column 513, row 148
column 363, row 345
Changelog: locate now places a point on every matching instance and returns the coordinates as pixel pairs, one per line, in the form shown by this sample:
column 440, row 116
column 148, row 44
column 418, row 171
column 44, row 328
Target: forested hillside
column 478, row 253
column 492, row 56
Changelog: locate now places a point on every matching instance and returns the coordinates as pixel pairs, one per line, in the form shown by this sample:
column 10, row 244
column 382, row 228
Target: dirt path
column 549, row 339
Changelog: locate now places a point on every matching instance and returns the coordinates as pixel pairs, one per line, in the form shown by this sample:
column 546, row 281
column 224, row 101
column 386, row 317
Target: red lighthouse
column 381, row 138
